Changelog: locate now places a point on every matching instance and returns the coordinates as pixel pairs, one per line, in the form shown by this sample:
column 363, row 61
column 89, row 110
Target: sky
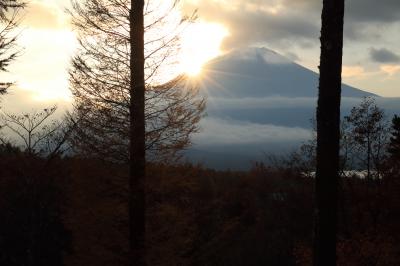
column 371, row 58
column 290, row 27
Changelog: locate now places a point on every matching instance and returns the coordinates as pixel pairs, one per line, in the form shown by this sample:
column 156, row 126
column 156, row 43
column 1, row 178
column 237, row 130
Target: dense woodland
column 73, row 211
column 106, row 184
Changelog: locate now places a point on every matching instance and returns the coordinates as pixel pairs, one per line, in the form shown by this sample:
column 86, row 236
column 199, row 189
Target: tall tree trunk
column 137, row 195
column 368, row 159
column 328, row 130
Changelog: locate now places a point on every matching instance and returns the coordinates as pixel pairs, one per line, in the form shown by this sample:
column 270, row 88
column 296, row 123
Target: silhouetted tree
column 35, row 134
column 9, row 20
column 328, row 132
column 366, row 131
column 123, row 103
column 100, row 82
column 394, row 144
column 137, row 141
column 32, row 231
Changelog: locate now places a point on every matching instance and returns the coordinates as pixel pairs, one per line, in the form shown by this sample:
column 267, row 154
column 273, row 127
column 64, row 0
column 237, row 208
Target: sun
column 201, row 41
column 192, row 69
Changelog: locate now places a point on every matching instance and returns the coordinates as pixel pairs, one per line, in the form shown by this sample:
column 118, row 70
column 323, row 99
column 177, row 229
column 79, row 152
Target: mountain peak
column 261, row 72
column 257, row 54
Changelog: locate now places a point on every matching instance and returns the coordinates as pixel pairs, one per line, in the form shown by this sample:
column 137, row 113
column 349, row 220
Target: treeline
column 60, row 209
column 73, row 211
column 369, row 143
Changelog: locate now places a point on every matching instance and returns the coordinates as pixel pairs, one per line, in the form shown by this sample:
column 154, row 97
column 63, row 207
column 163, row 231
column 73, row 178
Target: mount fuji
column 260, row 72
column 260, row 102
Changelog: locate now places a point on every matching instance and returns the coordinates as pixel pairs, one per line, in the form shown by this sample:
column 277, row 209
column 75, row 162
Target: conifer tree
column 394, row 143
column 8, row 22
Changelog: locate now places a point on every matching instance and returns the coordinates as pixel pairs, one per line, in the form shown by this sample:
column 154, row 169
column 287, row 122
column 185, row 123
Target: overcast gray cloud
column 385, row 11
column 252, row 22
column 289, row 22
column 384, row 55
column 278, row 28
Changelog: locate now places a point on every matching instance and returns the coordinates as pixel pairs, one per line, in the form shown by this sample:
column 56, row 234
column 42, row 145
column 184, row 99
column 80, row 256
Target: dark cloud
column 384, row 56
column 384, row 11
column 259, row 27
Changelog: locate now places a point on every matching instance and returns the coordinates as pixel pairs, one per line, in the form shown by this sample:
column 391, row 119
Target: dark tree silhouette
column 328, row 130
column 100, row 78
column 32, row 231
column 9, row 20
column 124, row 112
column 394, row 143
column 36, row 133
column 366, row 131
column 137, row 173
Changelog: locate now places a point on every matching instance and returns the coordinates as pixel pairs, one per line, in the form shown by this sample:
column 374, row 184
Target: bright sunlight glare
column 201, row 42
column 45, row 77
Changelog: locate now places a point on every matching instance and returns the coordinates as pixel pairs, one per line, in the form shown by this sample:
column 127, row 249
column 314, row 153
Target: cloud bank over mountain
column 259, row 102
column 218, row 131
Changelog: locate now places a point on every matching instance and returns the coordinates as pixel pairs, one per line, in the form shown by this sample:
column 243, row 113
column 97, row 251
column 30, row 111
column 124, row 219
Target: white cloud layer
column 223, row 132
column 273, row 102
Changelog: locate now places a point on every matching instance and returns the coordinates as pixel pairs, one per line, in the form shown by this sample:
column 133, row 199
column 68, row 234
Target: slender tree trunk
column 368, row 159
column 328, row 130
column 137, row 195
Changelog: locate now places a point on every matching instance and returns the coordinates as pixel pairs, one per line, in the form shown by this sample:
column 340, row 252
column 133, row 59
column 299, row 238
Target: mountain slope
column 259, row 72
column 259, row 102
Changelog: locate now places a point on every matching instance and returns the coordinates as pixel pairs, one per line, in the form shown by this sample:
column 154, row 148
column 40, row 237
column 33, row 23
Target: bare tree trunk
column 137, row 195
column 368, row 159
column 328, row 130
